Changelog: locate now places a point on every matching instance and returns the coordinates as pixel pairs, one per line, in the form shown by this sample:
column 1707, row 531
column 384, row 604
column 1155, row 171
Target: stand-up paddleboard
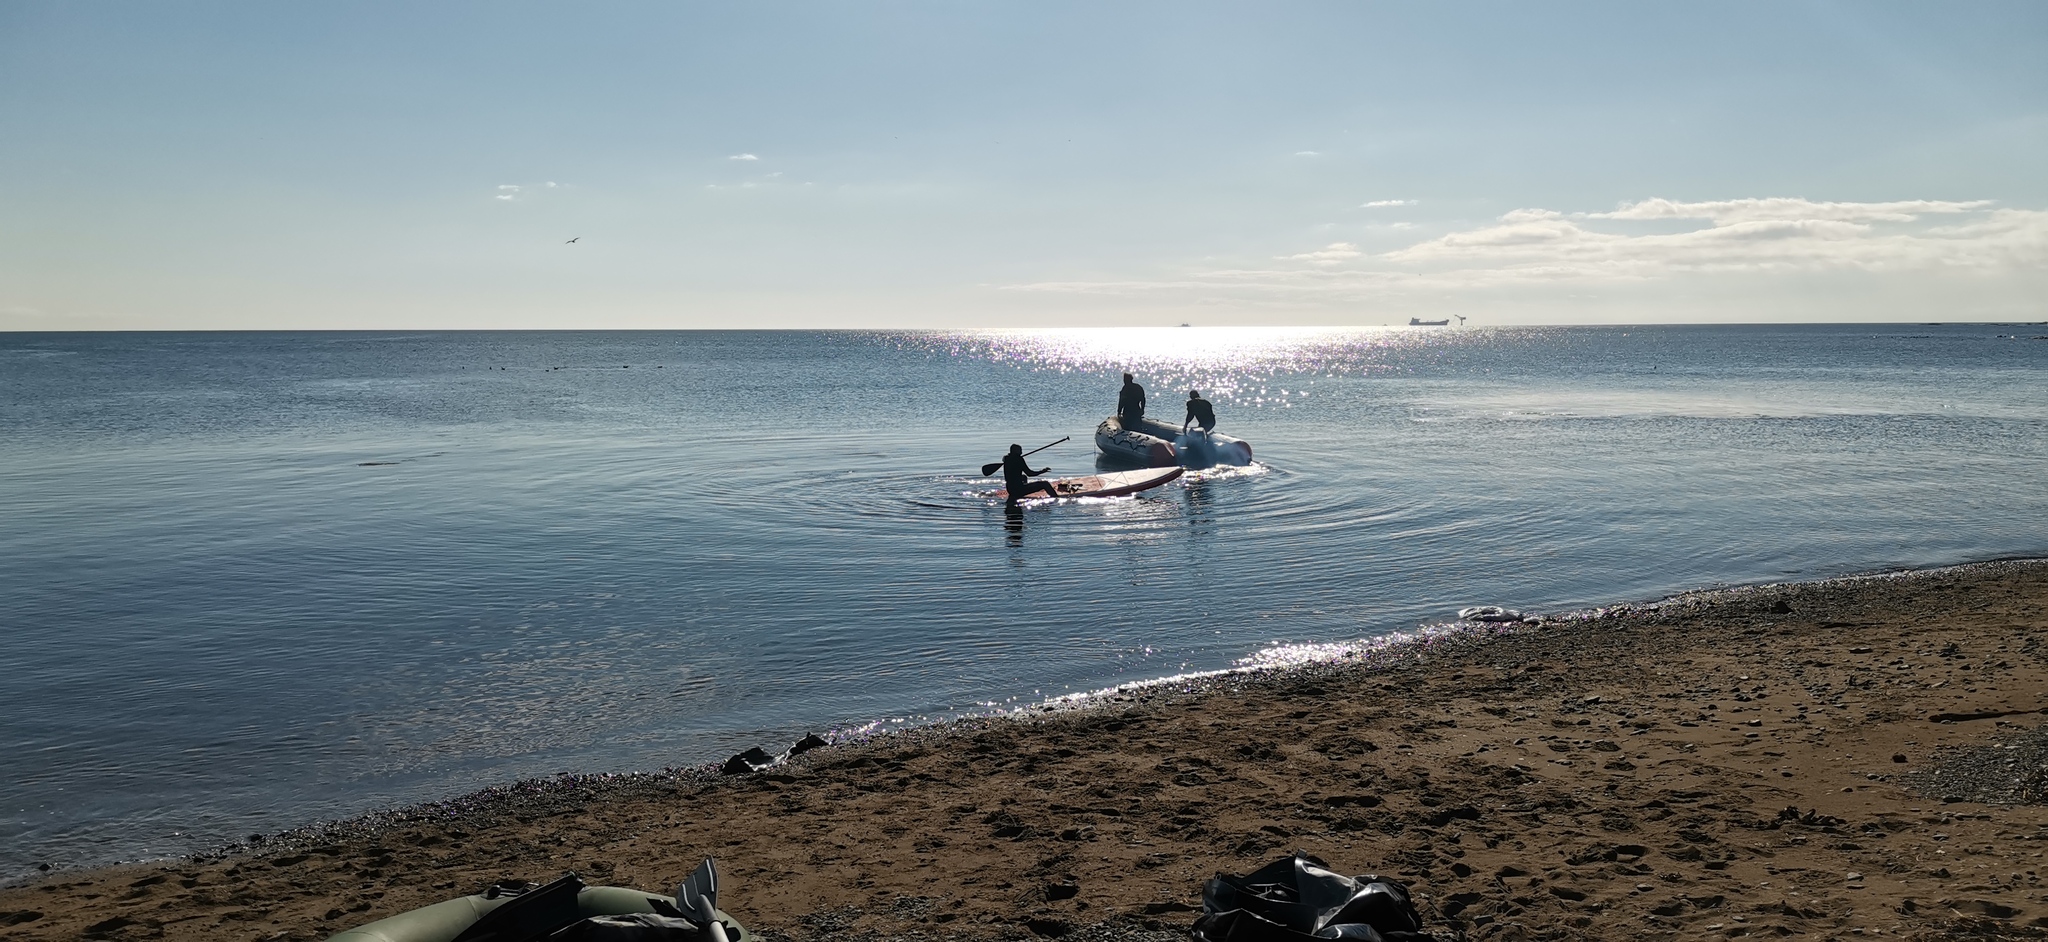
column 1113, row 484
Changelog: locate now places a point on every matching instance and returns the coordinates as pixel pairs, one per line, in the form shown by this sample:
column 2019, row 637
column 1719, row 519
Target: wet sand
column 1855, row 757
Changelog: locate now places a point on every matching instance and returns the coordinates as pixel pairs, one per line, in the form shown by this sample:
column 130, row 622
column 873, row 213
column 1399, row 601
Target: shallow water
column 255, row 580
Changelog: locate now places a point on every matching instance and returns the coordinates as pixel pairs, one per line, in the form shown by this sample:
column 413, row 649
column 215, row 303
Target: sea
column 250, row 581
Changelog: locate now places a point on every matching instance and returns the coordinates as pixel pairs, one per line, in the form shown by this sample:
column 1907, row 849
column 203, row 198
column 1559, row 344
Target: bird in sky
column 572, row 240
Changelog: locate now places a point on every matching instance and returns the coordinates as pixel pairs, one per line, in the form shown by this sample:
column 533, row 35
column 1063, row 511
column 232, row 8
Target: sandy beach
column 1824, row 760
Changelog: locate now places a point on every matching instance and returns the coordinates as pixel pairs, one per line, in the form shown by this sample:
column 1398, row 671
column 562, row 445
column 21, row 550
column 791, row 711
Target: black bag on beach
column 1298, row 899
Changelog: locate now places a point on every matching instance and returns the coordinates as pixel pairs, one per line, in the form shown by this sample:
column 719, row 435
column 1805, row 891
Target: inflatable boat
column 1156, row 444
column 515, row 912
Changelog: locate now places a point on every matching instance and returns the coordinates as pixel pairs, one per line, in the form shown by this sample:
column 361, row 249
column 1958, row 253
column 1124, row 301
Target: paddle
column 698, row 899
column 991, row 467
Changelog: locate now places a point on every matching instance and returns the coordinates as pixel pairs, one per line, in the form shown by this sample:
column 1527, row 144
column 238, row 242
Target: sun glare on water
column 1233, row 362
column 1179, row 348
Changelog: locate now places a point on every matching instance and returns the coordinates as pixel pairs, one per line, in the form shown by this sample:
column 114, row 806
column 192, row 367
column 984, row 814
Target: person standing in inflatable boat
column 1199, row 413
column 1130, row 403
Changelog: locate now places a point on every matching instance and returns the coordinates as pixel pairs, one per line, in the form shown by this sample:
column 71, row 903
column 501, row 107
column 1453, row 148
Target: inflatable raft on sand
column 1156, row 444
column 564, row 911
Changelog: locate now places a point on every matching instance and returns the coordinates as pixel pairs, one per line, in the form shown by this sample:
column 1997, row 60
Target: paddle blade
column 698, row 896
column 990, row 468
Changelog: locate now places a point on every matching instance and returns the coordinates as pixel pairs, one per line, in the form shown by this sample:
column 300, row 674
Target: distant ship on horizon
column 1419, row 322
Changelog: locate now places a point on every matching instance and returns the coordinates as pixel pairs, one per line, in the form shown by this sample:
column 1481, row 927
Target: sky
column 959, row 164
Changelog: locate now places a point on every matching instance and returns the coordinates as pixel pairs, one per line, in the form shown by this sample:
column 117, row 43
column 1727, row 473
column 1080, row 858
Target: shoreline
column 549, row 791
column 546, row 790
column 1539, row 784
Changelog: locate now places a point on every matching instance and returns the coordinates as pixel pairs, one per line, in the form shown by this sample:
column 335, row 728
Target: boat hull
column 1154, row 445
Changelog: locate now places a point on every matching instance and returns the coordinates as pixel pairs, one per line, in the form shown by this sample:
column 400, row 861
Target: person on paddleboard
column 1199, row 413
column 1017, row 476
column 1130, row 403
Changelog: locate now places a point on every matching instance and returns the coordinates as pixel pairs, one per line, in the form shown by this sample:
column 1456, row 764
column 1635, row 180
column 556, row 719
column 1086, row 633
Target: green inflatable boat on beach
column 565, row 909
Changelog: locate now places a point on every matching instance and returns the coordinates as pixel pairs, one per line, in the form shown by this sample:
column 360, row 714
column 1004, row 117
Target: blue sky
column 406, row 165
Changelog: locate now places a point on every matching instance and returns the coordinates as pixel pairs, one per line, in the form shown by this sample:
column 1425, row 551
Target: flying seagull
column 572, row 240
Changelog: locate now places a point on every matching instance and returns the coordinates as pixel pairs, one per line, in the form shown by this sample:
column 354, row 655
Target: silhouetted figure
column 1130, row 403
column 1017, row 476
column 1199, row 412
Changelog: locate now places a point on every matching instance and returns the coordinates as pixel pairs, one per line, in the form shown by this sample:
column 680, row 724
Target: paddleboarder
column 1199, row 412
column 1017, row 476
column 1130, row 403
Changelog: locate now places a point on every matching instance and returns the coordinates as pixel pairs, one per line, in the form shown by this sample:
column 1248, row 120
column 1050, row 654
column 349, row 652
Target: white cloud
column 1330, row 254
column 1732, row 239
column 520, row 191
column 1377, row 204
column 1308, row 153
column 1724, row 212
column 743, row 157
column 1751, row 235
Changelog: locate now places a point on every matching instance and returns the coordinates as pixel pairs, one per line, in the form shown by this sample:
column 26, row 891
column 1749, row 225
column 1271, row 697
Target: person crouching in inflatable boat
column 1193, row 446
column 1199, row 413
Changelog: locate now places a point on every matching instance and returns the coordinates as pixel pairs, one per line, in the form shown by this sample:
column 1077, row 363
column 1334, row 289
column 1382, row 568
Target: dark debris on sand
column 2013, row 771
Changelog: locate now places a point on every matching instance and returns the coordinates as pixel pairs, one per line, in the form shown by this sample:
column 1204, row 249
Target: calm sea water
column 255, row 580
